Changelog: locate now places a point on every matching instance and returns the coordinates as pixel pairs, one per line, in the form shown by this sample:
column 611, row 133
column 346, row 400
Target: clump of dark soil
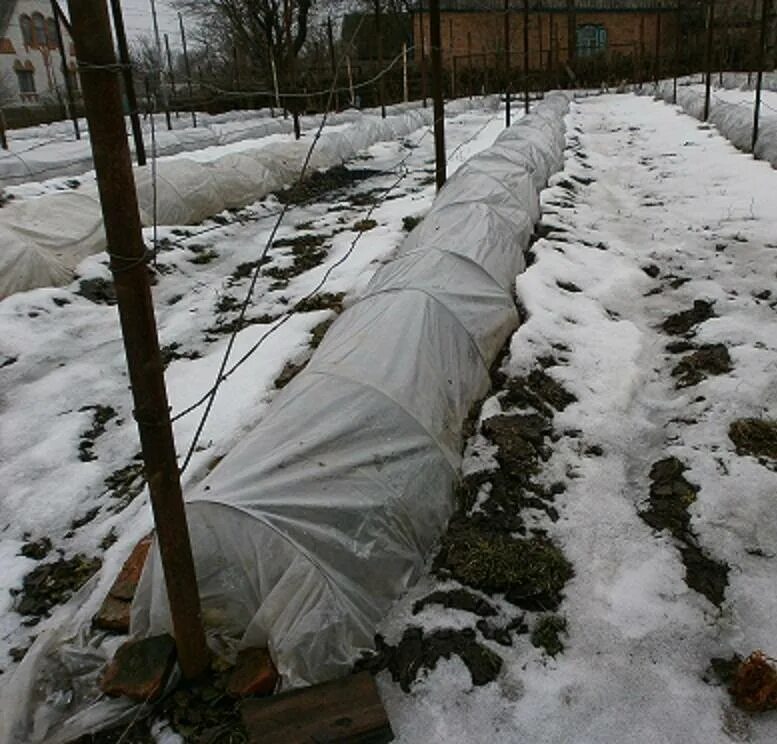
column 50, row 584
column 417, row 651
column 306, row 254
column 364, row 225
column 288, row 373
column 568, row 286
column 538, row 391
column 679, row 347
column 530, row 572
column 171, row 352
column 712, row 359
column 670, row 497
column 502, row 634
column 244, row 270
column 125, row 484
column 409, row 222
column 317, row 334
column 99, row 291
column 756, row 437
column 682, row 322
column 457, row 599
column 36, row 550
column 651, row 270
column 238, row 324
column 320, row 183
column 321, row 301
column 101, row 416
column 547, row 634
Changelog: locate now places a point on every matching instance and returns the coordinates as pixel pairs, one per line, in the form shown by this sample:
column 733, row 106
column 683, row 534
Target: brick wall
column 479, row 36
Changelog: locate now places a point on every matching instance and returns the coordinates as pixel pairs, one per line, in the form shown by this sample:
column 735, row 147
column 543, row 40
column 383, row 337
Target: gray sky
column 137, row 19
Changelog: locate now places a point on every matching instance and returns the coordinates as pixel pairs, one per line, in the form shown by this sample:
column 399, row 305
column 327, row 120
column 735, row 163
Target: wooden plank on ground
column 346, row 711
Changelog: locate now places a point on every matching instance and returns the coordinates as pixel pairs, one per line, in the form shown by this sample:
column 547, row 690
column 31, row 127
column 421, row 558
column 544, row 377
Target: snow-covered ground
column 605, row 448
column 68, row 443
column 653, row 214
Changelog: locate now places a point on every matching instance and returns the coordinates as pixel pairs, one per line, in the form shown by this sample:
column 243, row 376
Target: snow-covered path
column 652, row 302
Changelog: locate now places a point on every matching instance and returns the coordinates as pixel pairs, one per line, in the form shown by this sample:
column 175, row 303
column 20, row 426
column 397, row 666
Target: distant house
column 30, row 63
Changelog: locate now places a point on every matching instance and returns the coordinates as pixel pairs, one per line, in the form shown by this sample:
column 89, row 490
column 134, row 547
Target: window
column 51, row 32
column 591, row 40
column 39, row 25
column 26, row 24
column 26, row 80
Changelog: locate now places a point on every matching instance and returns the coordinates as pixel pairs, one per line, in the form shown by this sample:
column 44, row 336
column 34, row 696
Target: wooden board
column 346, row 711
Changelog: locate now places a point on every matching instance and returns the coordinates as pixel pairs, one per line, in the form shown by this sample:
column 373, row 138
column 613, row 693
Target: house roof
column 6, row 12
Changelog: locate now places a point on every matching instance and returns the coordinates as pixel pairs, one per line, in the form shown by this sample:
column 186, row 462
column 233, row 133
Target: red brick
column 254, row 674
column 114, row 615
column 127, row 581
column 140, row 669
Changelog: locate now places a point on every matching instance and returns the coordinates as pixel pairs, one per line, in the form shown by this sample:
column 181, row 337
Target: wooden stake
column 170, row 75
column 55, row 9
column 188, row 70
column 102, row 99
column 129, row 83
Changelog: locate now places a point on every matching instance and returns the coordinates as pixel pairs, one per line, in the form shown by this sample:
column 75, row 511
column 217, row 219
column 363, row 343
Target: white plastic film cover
column 187, row 191
column 324, row 514
column 307, row 531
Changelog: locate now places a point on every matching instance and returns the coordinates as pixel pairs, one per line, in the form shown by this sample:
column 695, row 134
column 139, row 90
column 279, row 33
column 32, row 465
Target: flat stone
column 126, row 583
column 254, row 674
column 114, row 615
column 140, row 669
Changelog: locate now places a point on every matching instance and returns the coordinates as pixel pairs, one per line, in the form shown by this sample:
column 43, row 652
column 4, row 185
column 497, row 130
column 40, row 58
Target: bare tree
column 264, row 31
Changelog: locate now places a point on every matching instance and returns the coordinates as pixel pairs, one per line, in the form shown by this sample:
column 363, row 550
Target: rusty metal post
column 438, row 105
column 657, row 67
column 765, row 11
column 102, row 98
column 507, row 60
column 708, row 59
column 129, row 83
column 381, row 79
column 526, row 56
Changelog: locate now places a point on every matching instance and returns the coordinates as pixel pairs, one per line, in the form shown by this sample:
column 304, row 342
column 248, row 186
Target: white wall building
column 30, row 62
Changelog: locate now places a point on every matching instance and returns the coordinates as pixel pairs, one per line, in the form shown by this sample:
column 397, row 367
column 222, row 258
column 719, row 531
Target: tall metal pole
column 129, row 83
column 657, row 69
column 765, row 11
column 170, row 75
column 423, row 52
column 65, row 71
column 158, row 76
column 3, row 137
column 102, row 98
column 350, row 80
column 438, row 107
column 708, row 59
column 507, row 60
column 381, row 80
column 526, row 55
column 405, row 91
column 188, row 69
